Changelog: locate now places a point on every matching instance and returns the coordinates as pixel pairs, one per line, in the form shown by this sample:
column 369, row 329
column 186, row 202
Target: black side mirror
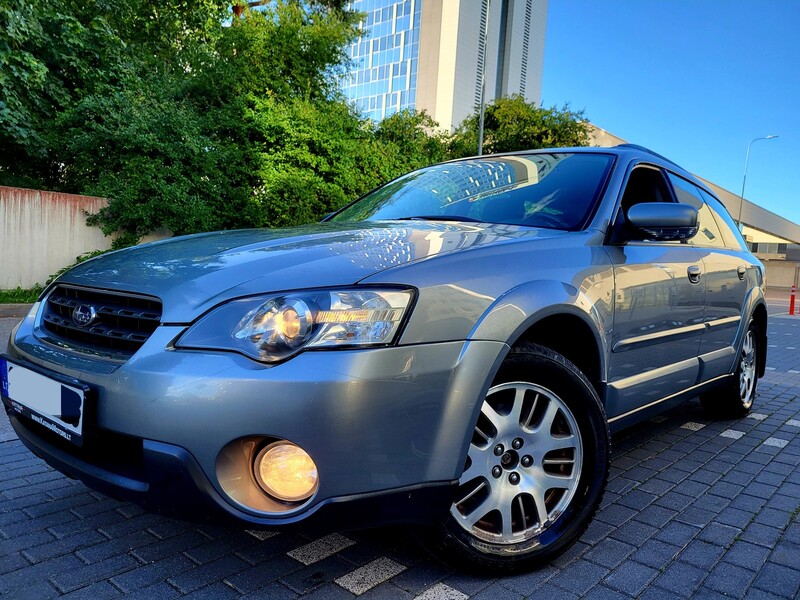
column 663, row 221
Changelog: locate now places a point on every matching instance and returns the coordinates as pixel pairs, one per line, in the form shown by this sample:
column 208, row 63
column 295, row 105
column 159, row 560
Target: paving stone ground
column 694, row 508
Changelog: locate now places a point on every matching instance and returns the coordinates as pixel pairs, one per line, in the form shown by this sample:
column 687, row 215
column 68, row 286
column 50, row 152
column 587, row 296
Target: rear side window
column 733, row 239
column 708, row 230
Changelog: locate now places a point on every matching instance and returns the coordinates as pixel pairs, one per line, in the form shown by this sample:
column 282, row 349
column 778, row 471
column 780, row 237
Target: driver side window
column 645, row 184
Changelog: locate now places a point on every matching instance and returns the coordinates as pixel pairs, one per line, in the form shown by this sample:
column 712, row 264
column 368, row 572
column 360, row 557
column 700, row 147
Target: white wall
column 42, row 232
column 782, row 274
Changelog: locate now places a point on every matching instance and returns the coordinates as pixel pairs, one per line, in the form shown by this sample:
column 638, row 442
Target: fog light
column 286, row 472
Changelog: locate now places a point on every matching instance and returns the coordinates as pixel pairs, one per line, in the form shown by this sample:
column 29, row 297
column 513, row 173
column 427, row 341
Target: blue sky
column 694, row 80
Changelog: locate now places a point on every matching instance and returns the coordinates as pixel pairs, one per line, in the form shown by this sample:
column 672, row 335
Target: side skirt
column 637, row 415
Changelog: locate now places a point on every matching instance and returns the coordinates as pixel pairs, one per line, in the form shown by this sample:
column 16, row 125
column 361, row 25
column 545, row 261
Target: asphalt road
column 6, row 325
column 693, row 508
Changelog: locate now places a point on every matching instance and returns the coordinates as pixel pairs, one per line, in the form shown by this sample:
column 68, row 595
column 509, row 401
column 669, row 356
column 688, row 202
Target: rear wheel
column 535, row 469
column 735, row 399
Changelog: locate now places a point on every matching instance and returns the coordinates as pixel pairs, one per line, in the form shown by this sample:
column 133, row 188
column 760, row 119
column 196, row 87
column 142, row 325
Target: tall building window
column 384, row 78
column 459, row 38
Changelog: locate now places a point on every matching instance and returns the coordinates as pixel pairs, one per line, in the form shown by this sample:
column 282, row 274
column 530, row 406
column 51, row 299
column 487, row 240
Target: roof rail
column 643, row 149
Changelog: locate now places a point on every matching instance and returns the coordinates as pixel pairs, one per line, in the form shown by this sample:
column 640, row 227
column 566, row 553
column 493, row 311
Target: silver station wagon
column 451, row 349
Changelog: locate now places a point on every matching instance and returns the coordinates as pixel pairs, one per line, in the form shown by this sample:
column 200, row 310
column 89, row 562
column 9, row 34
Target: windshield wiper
column 438, row 218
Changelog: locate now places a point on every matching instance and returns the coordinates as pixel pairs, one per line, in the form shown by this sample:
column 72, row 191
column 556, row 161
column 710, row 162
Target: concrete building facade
column 430, row 55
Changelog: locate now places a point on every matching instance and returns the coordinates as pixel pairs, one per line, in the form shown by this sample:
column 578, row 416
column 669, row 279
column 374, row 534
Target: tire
column 734, row 399
column 519, row 506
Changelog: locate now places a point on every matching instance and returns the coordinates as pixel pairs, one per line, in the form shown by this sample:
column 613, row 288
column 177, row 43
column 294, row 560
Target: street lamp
column 744, row 178
column 483, row 79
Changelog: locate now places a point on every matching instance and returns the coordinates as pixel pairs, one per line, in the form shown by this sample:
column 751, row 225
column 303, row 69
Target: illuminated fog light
column 286, row 472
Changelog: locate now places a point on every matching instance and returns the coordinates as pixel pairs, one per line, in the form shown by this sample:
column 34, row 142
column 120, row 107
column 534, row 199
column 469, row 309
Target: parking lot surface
column 693, row 508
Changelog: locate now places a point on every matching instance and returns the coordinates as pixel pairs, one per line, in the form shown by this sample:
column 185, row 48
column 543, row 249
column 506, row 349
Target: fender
column 516, row 311
column 755, row 298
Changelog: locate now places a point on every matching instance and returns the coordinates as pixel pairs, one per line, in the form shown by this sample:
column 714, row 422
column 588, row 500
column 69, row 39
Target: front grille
column 121, row 322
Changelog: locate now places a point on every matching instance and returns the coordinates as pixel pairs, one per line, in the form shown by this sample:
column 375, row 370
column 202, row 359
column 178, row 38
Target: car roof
column 624, row 151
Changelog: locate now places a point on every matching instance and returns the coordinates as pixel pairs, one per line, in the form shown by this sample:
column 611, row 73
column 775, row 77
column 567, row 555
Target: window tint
column 644, row 185
column 733, row 239
column 708, row 232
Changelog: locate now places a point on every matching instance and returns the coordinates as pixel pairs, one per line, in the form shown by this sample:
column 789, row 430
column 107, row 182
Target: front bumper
column 170, row 481
column 389, row 421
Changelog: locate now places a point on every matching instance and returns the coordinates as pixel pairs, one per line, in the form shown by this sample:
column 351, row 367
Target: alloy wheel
column 747, row 369
column 523, row 465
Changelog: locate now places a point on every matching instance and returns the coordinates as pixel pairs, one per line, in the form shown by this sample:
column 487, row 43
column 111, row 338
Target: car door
column 658, row 307
column 731, row 272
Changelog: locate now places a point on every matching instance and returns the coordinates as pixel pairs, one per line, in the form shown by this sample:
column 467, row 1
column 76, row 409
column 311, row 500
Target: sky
column 694, row 80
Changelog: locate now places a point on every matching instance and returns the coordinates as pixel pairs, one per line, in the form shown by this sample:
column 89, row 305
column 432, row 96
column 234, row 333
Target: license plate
column 54, row 404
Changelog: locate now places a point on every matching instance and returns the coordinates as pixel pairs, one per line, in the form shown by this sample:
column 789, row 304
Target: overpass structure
column 753, row 215
column 773, row 238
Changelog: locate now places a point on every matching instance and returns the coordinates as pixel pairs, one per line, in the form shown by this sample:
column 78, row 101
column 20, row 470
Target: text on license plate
column 57, row 406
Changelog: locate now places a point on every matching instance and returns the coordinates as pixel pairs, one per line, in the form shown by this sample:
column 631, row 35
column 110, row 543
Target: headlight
column 274, row 328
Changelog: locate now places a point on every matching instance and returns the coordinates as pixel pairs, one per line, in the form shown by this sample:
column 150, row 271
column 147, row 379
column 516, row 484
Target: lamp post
column 744, row 178
column 483, row 79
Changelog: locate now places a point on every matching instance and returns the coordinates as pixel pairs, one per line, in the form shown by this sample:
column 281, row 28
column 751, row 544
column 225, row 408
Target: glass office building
column 431, row 55
column 384, row 79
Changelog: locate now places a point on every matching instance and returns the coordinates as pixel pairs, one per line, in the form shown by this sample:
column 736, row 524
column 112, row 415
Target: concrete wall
column 448, row 77
column 782, row 274
column 42, row 232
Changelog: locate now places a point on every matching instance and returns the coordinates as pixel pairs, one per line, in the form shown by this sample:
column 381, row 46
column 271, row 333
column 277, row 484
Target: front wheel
column 735, row 398
column 535, row 470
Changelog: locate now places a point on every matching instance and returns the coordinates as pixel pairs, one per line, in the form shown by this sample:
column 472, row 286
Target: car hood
column 194, row 273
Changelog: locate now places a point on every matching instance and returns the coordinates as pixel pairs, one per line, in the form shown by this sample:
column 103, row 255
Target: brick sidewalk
column 693, row 507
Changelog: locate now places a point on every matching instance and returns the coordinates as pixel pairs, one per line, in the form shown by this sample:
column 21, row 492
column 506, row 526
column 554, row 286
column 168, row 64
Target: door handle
column 694, row 274
column 741, row 271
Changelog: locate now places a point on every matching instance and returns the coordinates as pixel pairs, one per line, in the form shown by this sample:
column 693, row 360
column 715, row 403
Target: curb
column 14, row 310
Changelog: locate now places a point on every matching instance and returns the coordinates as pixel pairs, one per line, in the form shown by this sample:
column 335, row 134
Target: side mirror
column 663, row 221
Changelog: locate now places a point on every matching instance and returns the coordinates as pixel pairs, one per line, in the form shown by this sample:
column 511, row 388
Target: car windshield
column 554, row 190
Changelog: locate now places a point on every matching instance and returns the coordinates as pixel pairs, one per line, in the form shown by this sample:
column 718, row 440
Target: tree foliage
column 287, row 49
column 414, row 139
column 512, row 124
column 191, row 116
column 48, row 56
column 158, row 160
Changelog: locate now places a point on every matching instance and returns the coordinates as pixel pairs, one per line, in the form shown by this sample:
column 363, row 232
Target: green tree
column 415, row 139
column 179, row 141
column 159, row 162
column 287, row 48
column 48, row 57
column 315, row 157
column 190, row 115
column 54, row 53
column 318, row 156
column 256, row 137
column 512, row 124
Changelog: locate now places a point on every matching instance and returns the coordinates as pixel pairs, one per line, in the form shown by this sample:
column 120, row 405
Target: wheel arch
column 759, row 317
column 530, row 313
column 573, row 338
column 557, row 316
